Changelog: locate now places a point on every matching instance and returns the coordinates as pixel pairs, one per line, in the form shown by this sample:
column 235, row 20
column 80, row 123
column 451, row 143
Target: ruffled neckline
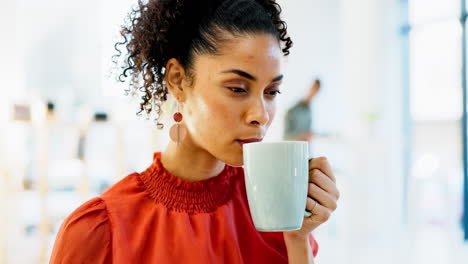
column 184, row 196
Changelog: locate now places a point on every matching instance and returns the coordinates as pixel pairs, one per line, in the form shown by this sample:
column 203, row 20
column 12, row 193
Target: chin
column 236, row 164
column 235, row 160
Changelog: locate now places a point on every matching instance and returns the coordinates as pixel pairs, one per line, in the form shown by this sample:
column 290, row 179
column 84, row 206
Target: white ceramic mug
column 276, row 180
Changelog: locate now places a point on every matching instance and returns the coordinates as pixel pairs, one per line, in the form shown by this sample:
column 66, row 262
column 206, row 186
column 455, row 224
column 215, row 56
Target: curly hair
column 158, row 30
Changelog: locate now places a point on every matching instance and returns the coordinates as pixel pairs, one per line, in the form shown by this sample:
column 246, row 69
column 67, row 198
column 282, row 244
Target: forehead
column 259, row 54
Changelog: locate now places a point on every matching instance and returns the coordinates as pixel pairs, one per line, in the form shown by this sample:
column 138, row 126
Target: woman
column 221, row 61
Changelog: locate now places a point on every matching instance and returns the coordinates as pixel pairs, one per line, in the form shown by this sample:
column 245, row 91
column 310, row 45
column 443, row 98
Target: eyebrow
column 249, row 76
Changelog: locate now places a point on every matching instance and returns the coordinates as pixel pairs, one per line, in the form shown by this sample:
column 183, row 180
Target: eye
column 273, row 93
column 237, row 90
column 273, row 90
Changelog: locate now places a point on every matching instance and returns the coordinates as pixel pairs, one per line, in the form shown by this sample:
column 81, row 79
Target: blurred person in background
column 221, row 61
column 298, row 119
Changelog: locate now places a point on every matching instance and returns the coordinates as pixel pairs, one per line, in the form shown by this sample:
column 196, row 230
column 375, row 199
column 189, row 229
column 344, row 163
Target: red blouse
column 156, row 217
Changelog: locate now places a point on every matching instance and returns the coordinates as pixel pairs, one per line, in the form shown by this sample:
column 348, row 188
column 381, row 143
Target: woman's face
column 233, row 96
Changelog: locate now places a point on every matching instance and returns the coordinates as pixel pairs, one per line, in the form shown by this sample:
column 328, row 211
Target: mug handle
column 307, row 213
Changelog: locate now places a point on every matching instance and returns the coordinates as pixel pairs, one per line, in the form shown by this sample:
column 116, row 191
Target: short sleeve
column 313, row 244
column 85, row 236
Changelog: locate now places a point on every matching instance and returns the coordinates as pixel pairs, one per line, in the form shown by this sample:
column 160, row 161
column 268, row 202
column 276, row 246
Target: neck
column 190, row 163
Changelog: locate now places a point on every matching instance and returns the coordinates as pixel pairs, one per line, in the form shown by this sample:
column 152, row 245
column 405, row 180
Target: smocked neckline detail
column 184, row 196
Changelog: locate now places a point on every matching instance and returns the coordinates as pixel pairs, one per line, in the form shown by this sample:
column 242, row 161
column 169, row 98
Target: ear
column 174, row 77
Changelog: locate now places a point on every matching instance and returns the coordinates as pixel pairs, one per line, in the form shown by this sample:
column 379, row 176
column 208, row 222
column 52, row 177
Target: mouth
column 248, row 140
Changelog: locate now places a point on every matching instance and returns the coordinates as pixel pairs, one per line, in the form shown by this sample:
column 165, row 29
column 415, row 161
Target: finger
column 322, row 164
column 311, row 204
column 322, row 197
column 324, row 182
column 320, row 213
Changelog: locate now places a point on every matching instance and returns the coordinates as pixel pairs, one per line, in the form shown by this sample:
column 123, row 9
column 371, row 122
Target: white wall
column 354, row 46
column 8, row 87
column 372, row 73
column 314, row 27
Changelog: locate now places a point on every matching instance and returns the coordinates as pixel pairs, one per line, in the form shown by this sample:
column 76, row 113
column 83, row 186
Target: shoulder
column 85, row 235
column 296, row 109
column 127, row 185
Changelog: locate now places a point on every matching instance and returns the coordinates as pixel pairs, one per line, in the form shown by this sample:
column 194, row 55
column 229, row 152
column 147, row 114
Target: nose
column 257, row 113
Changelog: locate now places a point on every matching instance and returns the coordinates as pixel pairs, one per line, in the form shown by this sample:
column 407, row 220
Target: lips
column 249, row 140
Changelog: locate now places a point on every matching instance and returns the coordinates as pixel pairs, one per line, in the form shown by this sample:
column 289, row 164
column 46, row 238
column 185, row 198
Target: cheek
column 212, row 115
column 223, row 115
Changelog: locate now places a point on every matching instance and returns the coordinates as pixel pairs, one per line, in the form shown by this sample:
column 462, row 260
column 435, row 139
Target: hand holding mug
column 322, row 197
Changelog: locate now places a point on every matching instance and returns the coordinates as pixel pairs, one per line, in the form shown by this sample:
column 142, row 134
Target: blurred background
column 390, row 116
